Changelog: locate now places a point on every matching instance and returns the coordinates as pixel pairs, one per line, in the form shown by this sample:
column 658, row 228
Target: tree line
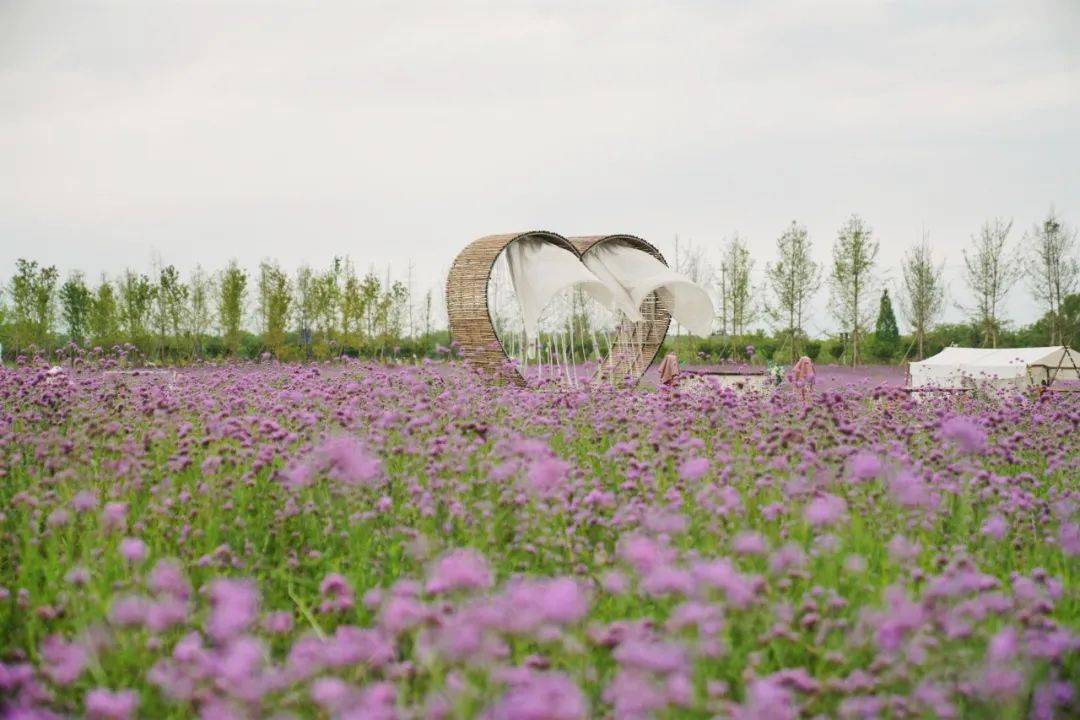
column 169, row 318
column 1046, row 257
column 339, row 311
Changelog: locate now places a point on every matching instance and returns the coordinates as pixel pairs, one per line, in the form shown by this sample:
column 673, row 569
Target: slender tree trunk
column 791, row 331
column 855, row 327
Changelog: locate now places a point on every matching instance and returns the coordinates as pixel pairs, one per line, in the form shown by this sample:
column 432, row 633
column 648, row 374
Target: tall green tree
column 44, row 295
column 198, row 314
column 427, row 313
column 989, row 273
column 852, row 281
column 1070, row 320
column 326, row 302
column 923, row 296
column 794, row 279
column 352, row 307
column 397, row 310
column 104, row 321
column 305, row 305
column 737, row 290
column 76, row 302
column 275, row 302
column 1052, row 268
column 170, row 304
column 5, row 328
column 886, row 331
column 33, row 296
column 136, row 306
column 232, row 292
column 370, row 291
column 20, row 288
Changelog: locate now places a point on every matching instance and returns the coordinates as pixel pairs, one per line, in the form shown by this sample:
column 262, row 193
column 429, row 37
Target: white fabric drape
column 635, row 274
column 540, row 270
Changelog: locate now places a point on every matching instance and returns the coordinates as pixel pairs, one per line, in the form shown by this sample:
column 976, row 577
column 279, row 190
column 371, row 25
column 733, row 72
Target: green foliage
column 990, row 274
column 318, row 315
column 199, row 316
column 737, row 301
column 233, row 291
column 948, row 334
column 325, row 302
column 170, row 302
column 251, row 345
column 275, row 304
column 794, row 280
column 923, row 292
column 353, row 308
column 886, row 333
column 136, row 303
column 75, row 305
column 33, row 311
column 852, row 280
column 883, row 352
column 1052, row 269
column 1070, row 320
column 104, row 321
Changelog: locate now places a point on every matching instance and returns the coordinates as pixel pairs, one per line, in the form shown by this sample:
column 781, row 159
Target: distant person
column 669, row 369
column 803, row 376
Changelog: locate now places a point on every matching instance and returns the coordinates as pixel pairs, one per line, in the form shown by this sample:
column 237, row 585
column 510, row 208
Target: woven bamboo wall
column 467, row 302
column 626, row 364
column 471, row 325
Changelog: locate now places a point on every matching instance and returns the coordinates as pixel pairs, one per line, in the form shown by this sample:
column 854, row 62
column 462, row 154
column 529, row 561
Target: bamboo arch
column 634, row 348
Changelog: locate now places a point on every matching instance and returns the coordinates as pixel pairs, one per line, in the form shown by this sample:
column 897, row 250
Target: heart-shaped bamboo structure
column 635, row 345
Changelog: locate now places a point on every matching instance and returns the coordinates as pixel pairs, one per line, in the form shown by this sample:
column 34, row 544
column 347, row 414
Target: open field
column 353, row 541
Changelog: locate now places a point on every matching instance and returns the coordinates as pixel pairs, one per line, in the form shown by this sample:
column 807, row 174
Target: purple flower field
column 357, row 541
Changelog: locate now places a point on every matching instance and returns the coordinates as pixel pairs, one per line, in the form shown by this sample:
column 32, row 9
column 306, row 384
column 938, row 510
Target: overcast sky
column 200, row 132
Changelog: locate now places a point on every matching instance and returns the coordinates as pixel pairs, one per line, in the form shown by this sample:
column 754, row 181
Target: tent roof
column 952, row 356
column 1000, row 357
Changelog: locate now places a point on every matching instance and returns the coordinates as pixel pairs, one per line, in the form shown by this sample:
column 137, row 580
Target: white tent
column 957, row 367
